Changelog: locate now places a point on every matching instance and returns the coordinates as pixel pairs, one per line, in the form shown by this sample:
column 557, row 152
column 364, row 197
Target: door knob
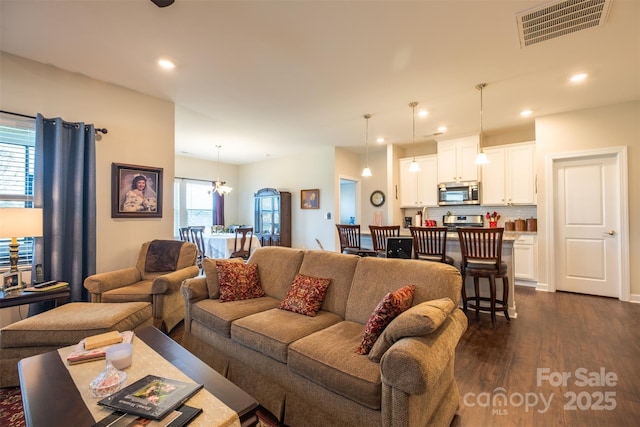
column 611, row 232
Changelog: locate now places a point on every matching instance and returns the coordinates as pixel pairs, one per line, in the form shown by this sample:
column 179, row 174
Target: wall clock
column 377, row 198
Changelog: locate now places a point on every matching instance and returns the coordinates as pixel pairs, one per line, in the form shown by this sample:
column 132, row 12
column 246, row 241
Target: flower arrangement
column 492, row 217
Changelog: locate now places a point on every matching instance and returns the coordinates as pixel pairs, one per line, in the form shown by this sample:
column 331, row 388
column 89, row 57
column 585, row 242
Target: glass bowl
column 107, row 382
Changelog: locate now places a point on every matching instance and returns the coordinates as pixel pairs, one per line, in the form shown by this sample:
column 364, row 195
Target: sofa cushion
column 238, row 281
column 270, row 332
column 337, row 267
column 305, row 295
column 391, row 305
column 374, row 277
column 219, row 316
column 211, row 275
column 278, row 267
column 419, row 320
column 327, row 359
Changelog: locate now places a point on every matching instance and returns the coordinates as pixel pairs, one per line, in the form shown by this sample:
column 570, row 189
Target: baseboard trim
column 635, row 298
column 543, row 287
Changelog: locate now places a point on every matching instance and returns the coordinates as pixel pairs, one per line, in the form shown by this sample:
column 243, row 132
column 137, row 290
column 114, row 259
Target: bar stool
column 482, row 257
column 430, row 244
column 379, row 234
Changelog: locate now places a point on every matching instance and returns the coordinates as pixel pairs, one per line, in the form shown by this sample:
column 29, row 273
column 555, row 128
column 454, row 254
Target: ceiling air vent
column 560, row 18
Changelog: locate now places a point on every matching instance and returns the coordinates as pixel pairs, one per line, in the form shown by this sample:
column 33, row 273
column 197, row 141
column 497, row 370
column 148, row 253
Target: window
column 193, row 203
column 17, row 161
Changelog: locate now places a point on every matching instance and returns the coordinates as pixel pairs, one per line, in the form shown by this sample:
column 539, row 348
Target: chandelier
column 220, row 187
column 367, row 171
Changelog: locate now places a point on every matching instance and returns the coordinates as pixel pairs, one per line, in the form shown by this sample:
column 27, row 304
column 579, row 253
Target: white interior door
column 587, row 225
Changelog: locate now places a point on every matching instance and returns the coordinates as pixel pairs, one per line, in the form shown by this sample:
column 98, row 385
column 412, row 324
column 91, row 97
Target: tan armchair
column 161, row 267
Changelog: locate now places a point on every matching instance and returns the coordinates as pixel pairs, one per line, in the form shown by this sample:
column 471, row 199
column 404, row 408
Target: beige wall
column 141, row 132
column 312, row 169
column 610, row 126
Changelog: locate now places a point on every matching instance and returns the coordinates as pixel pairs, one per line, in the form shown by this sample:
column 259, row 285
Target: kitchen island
column 453, row 250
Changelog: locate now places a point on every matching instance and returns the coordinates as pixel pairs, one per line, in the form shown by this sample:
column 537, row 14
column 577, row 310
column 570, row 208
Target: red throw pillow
column 391, row 305
column 305, row 295
column 238, row 281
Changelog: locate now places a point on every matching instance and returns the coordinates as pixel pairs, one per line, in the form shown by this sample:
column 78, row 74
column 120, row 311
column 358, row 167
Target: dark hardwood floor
column 513, row 375
column 559, row 334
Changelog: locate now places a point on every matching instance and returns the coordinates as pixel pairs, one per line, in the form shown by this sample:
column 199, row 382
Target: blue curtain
column 64, row 186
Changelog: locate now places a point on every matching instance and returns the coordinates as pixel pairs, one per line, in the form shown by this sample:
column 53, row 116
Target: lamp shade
column 20, row 222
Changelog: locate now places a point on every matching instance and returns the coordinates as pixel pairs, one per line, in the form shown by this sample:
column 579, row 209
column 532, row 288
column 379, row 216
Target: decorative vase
column 493, row 224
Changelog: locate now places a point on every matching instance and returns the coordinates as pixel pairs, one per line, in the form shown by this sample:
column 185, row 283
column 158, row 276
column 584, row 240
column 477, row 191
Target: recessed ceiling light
column 578, row 77
column 526, row 113
column 380, row 140
column 423, row 113
column 442, row 129
column 166, row 64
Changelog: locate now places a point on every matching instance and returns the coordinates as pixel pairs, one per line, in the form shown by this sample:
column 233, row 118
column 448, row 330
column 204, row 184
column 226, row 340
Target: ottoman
column 63, row 326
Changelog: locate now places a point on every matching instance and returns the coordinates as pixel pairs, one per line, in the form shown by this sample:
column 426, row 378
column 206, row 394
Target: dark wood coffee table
column 50, row 397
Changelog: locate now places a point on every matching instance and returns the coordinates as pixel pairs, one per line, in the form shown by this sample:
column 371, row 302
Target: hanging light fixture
column 366, row 171
column 220, row 186
column 481, row 158
column 413, row 166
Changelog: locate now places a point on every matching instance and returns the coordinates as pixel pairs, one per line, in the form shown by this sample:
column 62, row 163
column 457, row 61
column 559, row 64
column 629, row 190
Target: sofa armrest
column 194, row 290
column 414, row 364
column 170, row 282
column 103, row 282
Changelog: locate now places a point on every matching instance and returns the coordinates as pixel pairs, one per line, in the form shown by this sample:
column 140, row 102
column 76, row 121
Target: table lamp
column 19, row 222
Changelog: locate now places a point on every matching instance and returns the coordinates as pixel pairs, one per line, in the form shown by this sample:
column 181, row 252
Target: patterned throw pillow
column 238, row 281
column 391, row 305
column 305, row 295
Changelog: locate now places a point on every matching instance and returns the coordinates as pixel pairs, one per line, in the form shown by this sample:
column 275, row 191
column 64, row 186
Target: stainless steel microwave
column 459, row 193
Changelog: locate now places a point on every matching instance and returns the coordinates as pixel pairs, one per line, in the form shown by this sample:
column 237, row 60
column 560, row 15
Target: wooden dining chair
column 379, row 234
column 349, row 236
column 240, row 248
column 185, row 234
column 430, row 244
column 197, row 236
column 482, row 258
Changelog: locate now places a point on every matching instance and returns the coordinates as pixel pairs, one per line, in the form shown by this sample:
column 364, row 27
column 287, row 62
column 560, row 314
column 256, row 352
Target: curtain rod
column 101, row 130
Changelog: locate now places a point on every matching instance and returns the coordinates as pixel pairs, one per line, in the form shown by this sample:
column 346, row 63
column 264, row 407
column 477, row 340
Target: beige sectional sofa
column 305, row 369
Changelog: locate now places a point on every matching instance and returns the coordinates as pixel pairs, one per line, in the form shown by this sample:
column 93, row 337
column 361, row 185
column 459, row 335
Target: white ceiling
column 269, row 78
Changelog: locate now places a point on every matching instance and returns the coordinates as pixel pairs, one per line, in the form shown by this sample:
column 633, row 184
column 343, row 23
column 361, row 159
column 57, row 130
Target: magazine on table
column 151, row 397
column 178, row 418
column 80, row 355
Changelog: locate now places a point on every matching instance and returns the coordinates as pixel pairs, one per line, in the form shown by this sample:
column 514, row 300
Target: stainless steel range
column 452, row 222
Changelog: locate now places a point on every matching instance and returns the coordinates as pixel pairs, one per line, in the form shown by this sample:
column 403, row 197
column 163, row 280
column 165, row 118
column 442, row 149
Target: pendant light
column 366, row 171
column 481, row 158
column 220, row 186
column 413, row 166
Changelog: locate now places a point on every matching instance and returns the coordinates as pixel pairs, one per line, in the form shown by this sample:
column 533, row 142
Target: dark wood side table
column 45, row 376
column 14, row 298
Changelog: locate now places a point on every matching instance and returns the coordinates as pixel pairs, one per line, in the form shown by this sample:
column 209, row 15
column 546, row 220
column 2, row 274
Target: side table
column 20, row 297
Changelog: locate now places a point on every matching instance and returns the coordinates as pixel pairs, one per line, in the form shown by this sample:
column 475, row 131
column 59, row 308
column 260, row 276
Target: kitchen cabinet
column 273, row 217
column 457, row 159
column 509, row 177
column 525, row 254
column 420, row 188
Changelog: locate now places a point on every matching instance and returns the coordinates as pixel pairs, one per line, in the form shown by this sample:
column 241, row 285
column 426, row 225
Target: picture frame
column 310, row 199
column 136, row 191
column 11, row 280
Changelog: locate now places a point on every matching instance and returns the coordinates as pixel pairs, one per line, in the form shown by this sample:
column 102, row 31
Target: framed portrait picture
column 11, row 280
column 136, row 191
column 310, row 199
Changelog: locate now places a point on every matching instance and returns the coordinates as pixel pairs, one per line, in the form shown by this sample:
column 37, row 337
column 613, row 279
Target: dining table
column 221, row 245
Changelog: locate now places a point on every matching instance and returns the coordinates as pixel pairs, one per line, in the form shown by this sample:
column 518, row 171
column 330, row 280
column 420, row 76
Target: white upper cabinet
column 509, row 177
column 419, row 188
column 457, row 159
